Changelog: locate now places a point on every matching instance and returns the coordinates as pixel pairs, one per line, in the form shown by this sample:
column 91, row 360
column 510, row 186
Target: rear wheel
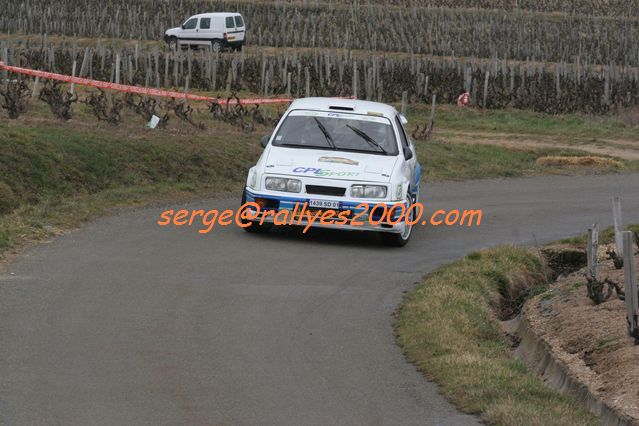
column 254, row 227
column 216, row 46
column 402, row 238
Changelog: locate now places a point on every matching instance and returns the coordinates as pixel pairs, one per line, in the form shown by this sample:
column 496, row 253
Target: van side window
column 205, row 23
column 190, row 24
column 230, row 23
column 402, row 134
column 239, row 22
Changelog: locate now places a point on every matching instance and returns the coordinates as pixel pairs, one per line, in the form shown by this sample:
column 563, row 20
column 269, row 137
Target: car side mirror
column 408, row 154
column 182, row 26
column 264, row 141
column 403, row 119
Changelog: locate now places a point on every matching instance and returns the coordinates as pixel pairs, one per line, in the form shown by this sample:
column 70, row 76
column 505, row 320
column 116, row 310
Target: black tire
column 173, row 43
column 255, row 227
column 396, row 239
column 216, row 46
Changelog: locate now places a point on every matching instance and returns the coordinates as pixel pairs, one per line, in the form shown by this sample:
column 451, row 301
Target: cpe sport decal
column 322, row 172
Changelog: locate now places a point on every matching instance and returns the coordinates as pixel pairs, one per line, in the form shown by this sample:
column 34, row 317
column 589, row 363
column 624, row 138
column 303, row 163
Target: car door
column 240, row 28
column 204, row 32
column 229, row 29
column 188, row 35
column 411, row 166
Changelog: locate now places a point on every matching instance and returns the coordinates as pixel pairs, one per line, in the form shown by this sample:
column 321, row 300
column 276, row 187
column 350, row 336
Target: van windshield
column 190, row 24
column 337, row 131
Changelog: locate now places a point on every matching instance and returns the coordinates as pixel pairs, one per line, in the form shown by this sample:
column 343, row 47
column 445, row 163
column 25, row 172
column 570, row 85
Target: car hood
column 173, row 31
column 329, row 164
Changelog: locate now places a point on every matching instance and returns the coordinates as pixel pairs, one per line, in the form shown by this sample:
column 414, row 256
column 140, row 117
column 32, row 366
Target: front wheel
column 402, row 238
column 173, row 43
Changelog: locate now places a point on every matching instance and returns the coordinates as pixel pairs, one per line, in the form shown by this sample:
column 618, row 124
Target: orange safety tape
column 146, row 91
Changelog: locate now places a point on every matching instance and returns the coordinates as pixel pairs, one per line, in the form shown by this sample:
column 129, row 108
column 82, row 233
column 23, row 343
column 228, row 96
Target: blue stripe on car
column 418, row 173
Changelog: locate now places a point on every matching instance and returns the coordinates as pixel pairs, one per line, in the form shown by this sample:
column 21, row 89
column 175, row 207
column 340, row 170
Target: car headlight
column 368, row 191
column 283, row 184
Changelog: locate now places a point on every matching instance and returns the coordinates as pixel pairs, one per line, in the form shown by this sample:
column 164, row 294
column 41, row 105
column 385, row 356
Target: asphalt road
column 124, row 322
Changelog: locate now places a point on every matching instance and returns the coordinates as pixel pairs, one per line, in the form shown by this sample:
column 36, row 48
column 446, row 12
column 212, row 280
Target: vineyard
column 554, row 88
column 582, row 57
column 515, row 35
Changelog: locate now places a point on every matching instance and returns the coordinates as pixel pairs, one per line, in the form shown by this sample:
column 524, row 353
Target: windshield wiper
column 297, row 145
column 367, row 138
column 327, row 135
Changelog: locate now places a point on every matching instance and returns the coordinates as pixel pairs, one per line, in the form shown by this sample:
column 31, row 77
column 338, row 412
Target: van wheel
column 173, row 43
column 216, row 46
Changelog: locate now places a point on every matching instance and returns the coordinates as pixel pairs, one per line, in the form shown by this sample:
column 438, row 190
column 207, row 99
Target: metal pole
column 593, row 243
column 631, row 296
column 616, row 215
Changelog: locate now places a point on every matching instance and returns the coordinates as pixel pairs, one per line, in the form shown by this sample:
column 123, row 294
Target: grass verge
column 568, row 126
column 449, row 328
column 458, row 161
column 55, row 175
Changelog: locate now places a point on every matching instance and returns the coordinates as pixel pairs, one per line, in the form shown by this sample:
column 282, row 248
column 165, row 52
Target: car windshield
column 337, row 131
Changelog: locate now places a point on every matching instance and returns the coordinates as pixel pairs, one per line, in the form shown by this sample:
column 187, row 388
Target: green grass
column 456, row 161
column 578, row 126
column 606, row 236
column 44, row 161
column 55, row 175
column 449, row 328
column 445, row 160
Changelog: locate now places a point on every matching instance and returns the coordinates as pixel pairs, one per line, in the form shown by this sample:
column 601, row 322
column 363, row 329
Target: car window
column 230, row 23
column 402, row 134
column 205, row 23
column 190, row 24
column 349, row 132
column 239, row 22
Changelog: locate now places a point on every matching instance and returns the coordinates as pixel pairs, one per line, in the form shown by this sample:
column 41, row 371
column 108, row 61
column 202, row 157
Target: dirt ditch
column 582, row 348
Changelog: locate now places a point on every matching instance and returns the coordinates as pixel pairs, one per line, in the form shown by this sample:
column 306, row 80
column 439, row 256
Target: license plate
column 324, row 204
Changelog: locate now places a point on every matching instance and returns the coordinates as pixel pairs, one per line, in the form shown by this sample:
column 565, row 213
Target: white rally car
column 340, row 155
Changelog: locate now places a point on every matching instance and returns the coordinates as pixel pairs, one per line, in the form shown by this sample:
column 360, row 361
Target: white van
column 217, row 30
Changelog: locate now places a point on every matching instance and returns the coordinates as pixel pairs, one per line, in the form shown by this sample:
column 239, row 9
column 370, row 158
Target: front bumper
column 279, row 203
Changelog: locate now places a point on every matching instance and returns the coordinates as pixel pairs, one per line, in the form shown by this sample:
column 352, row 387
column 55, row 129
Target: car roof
column 347, row 105
column 216, row 14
